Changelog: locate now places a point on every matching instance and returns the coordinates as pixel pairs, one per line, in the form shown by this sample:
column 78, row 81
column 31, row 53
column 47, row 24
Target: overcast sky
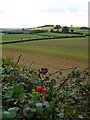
column 32, row 13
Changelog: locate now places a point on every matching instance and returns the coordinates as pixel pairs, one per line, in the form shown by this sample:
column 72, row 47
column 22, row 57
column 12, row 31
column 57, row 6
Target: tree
column 72, row 30
column 51, row 30
column 71, row 25
column 57, row 27
column 65, row 29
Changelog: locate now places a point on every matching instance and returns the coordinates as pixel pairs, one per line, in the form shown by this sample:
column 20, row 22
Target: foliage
column 72, row 30
column 65, row 29
column 85, row 28
column 67, row 100
column 57, row 27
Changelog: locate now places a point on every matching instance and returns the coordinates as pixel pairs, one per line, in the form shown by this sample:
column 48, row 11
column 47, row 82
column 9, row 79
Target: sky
column 33, row 13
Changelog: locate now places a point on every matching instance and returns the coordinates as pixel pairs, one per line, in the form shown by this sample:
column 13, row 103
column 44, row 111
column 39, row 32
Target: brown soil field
column 51, row 61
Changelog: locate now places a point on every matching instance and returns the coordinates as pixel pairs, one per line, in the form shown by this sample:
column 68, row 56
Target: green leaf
column 70, row 75
column 9, row 68
column 29, row 112
column 50, row 107
column 10, row 114
column 61, row 115
column 70, row 110
column 22, row 96
column 18, row 88
column 39, row 108
column 60, row 73
column 8, row 94
column 41, row 82
column 14, row 109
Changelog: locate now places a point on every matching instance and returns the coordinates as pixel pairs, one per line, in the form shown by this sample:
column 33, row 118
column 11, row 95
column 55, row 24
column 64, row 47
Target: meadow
column 57, row 34
column 17, row 37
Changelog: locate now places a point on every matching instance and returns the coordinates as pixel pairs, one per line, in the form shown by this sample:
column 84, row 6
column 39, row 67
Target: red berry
column 44, row 90
column 73, row 102
column 39, row 88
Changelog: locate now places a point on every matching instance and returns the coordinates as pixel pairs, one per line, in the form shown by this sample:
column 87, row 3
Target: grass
column 76, row 29
column 77, row 47
column 53, row 54
column 58, row 34
column 41, row 28
column 17, row 37
column 13, row 37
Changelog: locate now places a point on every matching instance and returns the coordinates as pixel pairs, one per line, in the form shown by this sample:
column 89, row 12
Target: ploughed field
column 52, row 53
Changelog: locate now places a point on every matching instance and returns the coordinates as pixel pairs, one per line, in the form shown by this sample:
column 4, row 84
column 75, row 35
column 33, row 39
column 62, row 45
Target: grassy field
column 77, row 47
column 17, row 37
column 54, row 54
column 14, row 37
column 58, row 34
column 76, row 29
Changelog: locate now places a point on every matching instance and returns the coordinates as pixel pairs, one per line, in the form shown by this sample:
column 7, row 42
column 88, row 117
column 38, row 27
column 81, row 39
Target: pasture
column 18, row 37
column 57, row 34
column 53, row 54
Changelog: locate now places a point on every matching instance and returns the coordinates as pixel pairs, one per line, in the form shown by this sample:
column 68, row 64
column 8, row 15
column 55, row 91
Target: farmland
column 44, row 49
column 53, row 53
column 18, row 37
column 72, row 47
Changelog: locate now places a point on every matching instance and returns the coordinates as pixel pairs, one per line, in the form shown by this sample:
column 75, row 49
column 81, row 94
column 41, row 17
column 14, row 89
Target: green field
column 17, row 37
column 76, row 29
column 77, row 47
column 53, row 53
column 57, row 34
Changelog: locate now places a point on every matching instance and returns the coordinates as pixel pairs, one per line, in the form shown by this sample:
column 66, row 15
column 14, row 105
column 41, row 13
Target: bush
column 30, row 94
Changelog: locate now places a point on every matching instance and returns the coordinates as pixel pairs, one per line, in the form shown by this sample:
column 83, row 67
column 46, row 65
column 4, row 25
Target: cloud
column 29, row 13
column 4, row 5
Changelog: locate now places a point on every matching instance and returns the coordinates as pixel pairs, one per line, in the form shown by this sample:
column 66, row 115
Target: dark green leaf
column 8, row 94
column 39, row 108
column 10, row 114
column 18, row 88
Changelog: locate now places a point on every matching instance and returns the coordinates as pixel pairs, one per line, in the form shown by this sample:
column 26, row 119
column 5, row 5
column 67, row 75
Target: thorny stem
column 18, row 60
column 59, row 71
column 62, row 69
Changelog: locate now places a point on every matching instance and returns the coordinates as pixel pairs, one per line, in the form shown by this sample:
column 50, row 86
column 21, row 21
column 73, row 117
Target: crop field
column 54, row 54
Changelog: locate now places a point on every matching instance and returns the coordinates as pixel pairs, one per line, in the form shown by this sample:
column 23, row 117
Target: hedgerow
column 30, row 94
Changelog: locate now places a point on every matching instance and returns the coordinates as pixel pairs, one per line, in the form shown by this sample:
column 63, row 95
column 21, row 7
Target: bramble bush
column 30, row 94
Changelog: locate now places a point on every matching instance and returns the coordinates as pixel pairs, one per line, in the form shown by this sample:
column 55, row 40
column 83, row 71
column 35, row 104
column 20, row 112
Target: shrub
column 67, row 100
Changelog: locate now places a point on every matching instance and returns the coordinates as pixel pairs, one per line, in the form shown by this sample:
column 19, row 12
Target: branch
column 59, row 71
column 62, row 69
column 18, row 60
column 64, row 82
column 88, row 68
column 30, row 65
